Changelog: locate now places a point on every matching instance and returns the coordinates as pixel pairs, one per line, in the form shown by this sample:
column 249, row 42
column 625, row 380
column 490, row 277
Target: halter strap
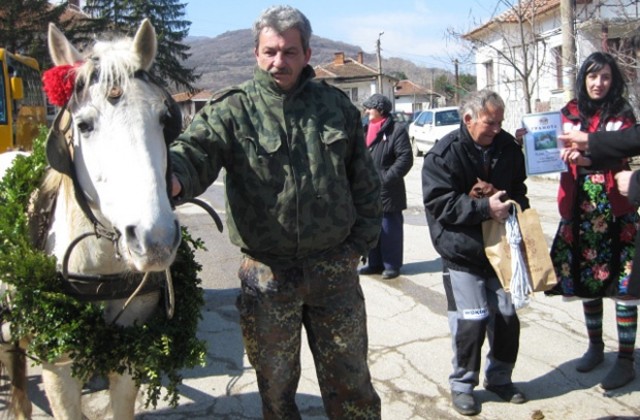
column 60, row 156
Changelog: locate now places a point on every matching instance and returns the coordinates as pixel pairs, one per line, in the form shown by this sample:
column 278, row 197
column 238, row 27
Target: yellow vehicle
column 22, row 103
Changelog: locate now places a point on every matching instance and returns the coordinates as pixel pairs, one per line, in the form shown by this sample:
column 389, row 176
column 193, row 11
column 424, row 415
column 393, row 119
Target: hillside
column 228, row 59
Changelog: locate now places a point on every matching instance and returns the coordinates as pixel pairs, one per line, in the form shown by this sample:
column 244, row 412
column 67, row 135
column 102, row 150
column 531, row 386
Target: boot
column 592, row 358
column 622, row 372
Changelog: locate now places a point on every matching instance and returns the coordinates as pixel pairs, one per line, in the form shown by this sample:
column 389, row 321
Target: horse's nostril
column 130, row 233
column 132, row 239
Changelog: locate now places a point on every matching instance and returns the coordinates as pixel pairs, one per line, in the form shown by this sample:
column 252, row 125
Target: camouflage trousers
column 324, row 296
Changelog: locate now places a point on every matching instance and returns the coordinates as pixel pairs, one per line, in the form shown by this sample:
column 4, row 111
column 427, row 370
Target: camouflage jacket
column 299, row 180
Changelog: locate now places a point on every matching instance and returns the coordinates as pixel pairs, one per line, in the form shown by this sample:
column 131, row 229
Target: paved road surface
column 410, row 350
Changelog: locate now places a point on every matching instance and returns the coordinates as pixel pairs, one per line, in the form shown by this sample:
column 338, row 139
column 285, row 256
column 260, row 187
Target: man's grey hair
column 280, row 19
column 477, row 103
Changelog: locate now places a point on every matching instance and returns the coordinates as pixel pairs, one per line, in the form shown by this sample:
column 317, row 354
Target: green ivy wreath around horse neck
column 57, row 324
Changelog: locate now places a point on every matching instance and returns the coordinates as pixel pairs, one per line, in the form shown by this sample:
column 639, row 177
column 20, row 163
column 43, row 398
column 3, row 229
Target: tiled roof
column 182, row 96
column 531, row 8
column 345, row 68
column 203, row 95
column 73, row 12
column 408, row 88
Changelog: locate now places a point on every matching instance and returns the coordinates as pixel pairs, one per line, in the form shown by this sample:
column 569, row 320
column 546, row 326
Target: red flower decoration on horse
column 59, row 82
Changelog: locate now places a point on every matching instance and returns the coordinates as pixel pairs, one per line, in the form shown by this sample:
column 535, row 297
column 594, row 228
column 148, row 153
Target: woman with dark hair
column 594, row 246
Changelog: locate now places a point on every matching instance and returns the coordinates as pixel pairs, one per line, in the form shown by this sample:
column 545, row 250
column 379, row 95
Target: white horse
column 118, row 156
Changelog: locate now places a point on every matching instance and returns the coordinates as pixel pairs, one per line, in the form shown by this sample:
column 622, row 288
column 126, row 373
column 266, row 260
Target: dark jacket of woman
column 391, row 153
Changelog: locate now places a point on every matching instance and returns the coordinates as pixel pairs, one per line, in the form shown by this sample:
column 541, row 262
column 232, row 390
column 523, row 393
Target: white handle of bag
column 520, row 286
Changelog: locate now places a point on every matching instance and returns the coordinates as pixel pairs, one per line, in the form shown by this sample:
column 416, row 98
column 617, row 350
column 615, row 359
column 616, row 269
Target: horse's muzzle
column 152, row 250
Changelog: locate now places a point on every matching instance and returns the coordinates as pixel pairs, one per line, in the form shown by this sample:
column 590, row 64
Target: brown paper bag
column 534, row 244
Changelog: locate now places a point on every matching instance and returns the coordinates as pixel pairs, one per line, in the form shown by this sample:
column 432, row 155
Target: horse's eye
column 85, row 127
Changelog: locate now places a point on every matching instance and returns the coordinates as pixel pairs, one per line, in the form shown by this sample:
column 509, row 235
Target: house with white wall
column 356, row 79
column 190, row 103
column 410, row 97
column 535, row 28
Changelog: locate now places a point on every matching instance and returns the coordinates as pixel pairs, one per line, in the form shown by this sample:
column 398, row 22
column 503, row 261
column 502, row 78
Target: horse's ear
column 145, row 44
column 57, row 150
column 60, row 49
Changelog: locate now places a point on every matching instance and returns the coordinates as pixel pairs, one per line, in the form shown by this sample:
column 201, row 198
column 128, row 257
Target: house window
column 488, row 68
column 354, row 95
column 557, row 59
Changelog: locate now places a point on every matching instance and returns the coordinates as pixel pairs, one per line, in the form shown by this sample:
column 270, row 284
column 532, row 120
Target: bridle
column 93, row 288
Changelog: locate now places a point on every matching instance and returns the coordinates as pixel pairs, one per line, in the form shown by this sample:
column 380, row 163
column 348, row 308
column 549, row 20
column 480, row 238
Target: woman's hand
column 622, row 179
column 575, row 157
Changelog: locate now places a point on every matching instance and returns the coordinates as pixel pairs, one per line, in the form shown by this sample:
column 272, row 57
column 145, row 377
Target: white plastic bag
column 520, row 287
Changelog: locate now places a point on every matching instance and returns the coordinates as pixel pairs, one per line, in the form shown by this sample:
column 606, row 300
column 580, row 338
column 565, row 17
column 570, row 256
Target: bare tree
column 620, row 37
column 512, row 39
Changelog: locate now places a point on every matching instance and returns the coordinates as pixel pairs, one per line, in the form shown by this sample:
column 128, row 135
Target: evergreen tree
column 124, row 17
column 23, row 26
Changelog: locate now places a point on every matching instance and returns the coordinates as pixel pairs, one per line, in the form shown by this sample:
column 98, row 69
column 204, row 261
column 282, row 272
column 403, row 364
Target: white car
column 430, row 126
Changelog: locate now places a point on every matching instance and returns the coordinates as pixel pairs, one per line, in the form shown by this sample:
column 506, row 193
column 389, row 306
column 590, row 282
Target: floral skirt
column 592, row 254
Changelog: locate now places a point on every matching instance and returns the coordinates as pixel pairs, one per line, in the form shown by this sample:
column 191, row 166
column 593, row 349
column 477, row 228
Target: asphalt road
column 409, row 341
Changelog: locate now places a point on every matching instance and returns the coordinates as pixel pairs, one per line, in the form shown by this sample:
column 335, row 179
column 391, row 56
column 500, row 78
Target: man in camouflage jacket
column 303, row 204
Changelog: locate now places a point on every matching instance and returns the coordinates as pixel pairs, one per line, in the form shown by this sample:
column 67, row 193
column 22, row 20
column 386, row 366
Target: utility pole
column 379, row 64
column 456, row 96
column 432, row 96
column 567, row 15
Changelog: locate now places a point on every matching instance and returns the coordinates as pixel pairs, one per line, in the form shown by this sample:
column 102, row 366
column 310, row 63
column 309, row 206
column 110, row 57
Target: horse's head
column 119, row 153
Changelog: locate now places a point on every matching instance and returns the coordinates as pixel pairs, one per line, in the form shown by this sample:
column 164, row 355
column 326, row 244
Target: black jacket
column 392, row 157
column 607, row 147
column 450, row 170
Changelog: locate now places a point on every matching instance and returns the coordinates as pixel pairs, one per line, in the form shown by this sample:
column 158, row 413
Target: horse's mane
column 111, row 63
column 40, row 208
column 52, row 182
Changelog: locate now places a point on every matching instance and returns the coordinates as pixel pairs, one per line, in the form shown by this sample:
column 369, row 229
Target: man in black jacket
column 465, row 178
column 388, row 143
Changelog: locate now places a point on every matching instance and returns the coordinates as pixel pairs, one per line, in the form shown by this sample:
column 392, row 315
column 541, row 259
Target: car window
column 447, row 117
column 427, row 117
column 400, row 117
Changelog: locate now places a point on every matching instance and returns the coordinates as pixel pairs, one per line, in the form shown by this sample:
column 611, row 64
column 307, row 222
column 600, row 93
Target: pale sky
column 413, row 29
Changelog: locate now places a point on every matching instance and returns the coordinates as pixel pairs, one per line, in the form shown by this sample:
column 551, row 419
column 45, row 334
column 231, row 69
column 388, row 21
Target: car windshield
column 447, row 117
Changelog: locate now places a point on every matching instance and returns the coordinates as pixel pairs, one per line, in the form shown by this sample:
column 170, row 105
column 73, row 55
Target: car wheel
column 414, row 148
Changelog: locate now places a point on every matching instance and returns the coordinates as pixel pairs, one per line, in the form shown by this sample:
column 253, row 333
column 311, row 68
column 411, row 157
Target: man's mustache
column 275, row 72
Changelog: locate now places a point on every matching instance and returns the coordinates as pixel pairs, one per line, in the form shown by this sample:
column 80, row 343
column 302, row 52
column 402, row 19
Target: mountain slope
column 229, row 59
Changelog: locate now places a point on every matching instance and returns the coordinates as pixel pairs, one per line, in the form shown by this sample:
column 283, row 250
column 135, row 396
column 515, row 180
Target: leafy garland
column 58, row 324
